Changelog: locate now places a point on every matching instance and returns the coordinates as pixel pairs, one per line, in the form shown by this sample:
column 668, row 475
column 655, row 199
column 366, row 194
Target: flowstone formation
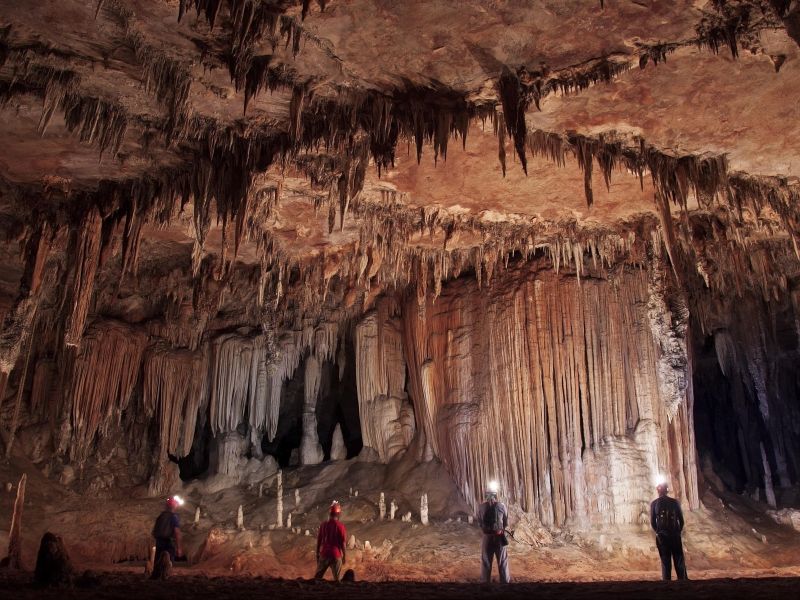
column 549, row 243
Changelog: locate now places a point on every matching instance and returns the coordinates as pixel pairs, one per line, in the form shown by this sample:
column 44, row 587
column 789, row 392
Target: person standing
column 493, row 518
column 331, row 544
column 666, row 519
column 167, row 530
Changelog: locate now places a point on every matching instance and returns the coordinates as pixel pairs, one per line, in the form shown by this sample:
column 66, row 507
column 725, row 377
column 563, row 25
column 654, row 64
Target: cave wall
column 125, row 391
column 562, row 389
column 746, row 382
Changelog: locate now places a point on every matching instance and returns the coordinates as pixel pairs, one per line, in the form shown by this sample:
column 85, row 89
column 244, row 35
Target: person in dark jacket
column 167, row 530
column 331, row 544
column 666, row 519
column 493, row 519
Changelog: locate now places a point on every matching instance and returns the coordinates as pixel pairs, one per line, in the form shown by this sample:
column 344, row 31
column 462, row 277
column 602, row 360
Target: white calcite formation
column 279, row 494
column 382, row 507
column 423, row 509
column 310, row 448
column 392, row 510
column 338, row 449
column 387, row 421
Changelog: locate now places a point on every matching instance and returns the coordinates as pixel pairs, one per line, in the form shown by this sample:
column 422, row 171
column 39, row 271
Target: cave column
column 310, row 448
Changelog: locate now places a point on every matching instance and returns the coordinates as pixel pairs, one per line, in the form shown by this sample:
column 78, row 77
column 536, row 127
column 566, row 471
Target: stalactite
column 17, row 322
column 515, row 104
column 89, row 245
column 20, row 389
column 175, row 389
column 105, row 371
column 230, row 383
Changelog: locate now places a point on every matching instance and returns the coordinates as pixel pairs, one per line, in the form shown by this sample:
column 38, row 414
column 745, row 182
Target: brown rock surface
column 553, row 243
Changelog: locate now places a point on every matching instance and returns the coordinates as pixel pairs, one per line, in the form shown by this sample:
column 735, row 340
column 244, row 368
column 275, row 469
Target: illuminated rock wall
column 557, row 388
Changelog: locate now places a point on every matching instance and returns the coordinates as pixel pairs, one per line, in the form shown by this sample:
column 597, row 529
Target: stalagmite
column 768, row 488
column 382, row 507
column 149, row 565
column 392, row 510
column 15, row 533
column 423, row 509
column 406, row 518
column 240, row 518
column 289, row 521
column 338, row 449
column 279, row 494
column 310, row 448
column 197, row 516
column 296, row 498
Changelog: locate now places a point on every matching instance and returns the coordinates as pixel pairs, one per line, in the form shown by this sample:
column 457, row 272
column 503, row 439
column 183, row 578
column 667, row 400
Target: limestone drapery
column 551, row 386
column 387, row 419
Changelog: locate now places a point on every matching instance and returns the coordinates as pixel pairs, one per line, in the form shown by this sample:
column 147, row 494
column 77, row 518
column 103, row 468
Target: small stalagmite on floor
column 14, row 558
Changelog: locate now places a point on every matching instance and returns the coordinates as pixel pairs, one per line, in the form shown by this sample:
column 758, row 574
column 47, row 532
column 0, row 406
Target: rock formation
column 241, row 236
column 53, row 565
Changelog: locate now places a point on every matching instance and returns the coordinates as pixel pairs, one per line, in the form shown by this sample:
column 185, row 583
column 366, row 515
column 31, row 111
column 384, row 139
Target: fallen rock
column 53, row 566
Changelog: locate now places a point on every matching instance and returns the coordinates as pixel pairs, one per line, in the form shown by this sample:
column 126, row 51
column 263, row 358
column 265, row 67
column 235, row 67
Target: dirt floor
column 121, row 585
column 733, row 549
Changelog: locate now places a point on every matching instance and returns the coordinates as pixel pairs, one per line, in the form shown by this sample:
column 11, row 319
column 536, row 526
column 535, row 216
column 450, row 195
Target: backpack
column 163, row 527
column 667, row 518
column 492, row 518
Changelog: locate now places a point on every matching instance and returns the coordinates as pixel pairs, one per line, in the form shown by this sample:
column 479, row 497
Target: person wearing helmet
column 167, row 530
column 666, row 519
column 331, row 544
column 493, row 519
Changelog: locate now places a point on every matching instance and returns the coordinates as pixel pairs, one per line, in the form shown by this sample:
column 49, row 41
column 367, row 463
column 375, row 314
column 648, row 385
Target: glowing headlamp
column 493, row 486
column 180, row 501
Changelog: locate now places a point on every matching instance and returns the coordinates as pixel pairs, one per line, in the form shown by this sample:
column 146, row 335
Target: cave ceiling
column 369, row 132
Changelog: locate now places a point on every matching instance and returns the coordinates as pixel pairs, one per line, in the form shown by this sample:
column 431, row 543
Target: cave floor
column 110, row 585
column 731, row 547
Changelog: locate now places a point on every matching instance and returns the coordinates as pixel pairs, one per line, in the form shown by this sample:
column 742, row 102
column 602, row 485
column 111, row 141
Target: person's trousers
column 670, row 549
column 492, row 548
column 323, row 564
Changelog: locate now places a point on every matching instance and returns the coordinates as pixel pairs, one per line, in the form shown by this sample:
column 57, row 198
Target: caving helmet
column 491, row 490
column 336, row 508
column 174, row 502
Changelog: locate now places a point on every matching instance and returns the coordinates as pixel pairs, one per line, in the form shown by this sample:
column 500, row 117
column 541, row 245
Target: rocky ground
column 726, row 540
column 116, row 585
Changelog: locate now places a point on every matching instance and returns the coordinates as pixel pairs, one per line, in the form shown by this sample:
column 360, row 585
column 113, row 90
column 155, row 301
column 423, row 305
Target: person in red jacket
column 331, row 544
